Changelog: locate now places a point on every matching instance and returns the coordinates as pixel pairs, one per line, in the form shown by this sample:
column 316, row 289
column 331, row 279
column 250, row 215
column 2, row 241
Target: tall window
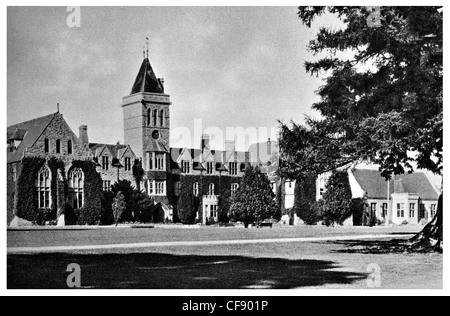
column 422, row 211
column 127, row 163
column 233, row 168
column 433, row 210
column 105, row 162
column 185, row 166
column 195, row 189
column 412, row 209
column 58, row 146
column 211, row 189
column 384, row 209
column 373, row 209
column 76, row 188
column 69, row 147
column 160, row 187
column 106, row 185
column 150, row 187
column 400, row 210
column 161, row 118
column 209, row 167
column 234, row 188
column 160, row 161
column 155, row 117
column 43, row 187
column 149, row 117
column 46, row 145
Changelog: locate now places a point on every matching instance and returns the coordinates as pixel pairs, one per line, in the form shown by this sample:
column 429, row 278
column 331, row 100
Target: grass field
column 305, row 265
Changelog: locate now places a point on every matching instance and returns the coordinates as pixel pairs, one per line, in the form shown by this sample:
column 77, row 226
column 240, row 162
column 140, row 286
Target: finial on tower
column 146, row 44
column 57, row 107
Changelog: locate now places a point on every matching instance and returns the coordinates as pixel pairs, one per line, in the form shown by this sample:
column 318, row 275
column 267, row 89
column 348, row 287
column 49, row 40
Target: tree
column 119, row 206
column 337, row 199
column 254, row 200
column 138, row 173
column 383, row 104
column 304, row 199
column 188, row 206
column 223, row 209
column 145, row 206
column 127, row 190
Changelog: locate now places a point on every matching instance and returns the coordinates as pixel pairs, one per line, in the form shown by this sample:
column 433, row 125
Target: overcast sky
column 229, row 66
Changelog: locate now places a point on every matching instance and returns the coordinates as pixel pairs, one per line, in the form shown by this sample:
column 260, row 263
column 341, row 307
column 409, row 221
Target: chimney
column 83, row 135
column 205, row 142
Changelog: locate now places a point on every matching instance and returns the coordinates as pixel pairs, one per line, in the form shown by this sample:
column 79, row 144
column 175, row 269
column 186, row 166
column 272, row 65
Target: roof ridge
column 32, row 120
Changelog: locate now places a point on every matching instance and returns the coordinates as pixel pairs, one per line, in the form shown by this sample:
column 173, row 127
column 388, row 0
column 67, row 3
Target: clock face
column 155, row 134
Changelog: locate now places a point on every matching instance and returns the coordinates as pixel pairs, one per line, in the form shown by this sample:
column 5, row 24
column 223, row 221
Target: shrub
column 119, row 207
column 223, row 210
column 87, row 216
column 188, row 206
column 145, row 207
column 304, row 199
column 127, row 190
column 107, row 216
column 337, row 199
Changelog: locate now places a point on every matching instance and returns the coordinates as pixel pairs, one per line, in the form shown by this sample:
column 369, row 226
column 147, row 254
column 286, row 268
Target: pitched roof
column 146, row 80
column 375, row 185
column 28, row 132
column 115, row 150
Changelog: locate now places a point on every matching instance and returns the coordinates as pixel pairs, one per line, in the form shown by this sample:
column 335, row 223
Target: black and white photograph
column 228, row 147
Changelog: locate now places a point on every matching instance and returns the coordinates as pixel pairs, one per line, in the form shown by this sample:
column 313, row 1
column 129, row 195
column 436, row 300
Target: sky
column 229, row 67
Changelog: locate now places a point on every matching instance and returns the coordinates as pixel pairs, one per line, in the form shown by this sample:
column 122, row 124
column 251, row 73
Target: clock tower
column 147, row 129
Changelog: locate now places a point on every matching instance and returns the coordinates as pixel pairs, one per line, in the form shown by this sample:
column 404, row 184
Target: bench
column 264, row 225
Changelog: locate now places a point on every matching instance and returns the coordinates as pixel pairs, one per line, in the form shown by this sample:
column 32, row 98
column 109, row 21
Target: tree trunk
column 432, row 234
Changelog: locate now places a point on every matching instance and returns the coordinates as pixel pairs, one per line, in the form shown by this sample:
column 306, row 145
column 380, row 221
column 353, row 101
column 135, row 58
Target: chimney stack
column 205, row 142
column 83, row 135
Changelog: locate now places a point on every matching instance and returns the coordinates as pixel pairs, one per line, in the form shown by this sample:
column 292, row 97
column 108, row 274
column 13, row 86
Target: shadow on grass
column 164, row 271
column 378, row 246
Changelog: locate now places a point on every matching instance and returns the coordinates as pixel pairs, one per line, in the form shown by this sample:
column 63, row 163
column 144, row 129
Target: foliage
column 223, row 211
column 384, row 104
column 254, row 200
column 304, row 199
column 281, row 196
column 337, row 199
column 188, row 206
column 87, row 216
column 127, row 190
column 118, row 207
column 145, row 206
column 107, row 216
column 138, row 173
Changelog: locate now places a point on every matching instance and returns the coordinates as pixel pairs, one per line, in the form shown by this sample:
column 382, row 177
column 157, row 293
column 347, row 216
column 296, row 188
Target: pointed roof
column 146, row 80
column 28, row 132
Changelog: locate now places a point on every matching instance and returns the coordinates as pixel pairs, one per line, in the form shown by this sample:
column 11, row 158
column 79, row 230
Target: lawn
column 305, row 265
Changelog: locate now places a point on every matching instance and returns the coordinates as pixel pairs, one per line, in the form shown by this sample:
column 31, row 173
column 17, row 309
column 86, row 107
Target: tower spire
column 146, row 44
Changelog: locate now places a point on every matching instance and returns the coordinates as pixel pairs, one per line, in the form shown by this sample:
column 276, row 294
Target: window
column 177, row 188
column 234, row 187
column 433, row 210
column 76, row 188
column 161, row 118
column 185, row 166
column 160, row 161
column 213, row 211
column 58, row 146
column 211, row 189
column 14, row 173
column 43, row 187
column 150, row 161
column 69, row 147
column 384, row 209
column 149, row 117
column 46, row 145
column 373, row 209
column 127, row 164
column 150, row 187
column 195, row 189
column 412, row 209
column 155, row 117
column 209, row 167
column 233, row 168
column 160, row 187
column 105, row 162
column 422, row 211
column 400, row 210
column 106, row 185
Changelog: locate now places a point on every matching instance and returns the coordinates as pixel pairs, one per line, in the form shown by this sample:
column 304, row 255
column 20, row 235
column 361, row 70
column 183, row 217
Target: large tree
column 254, row 200
column 383, row 103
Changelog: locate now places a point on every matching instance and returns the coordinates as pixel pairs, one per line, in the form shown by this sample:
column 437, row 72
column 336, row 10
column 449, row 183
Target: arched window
column 149, row 117
column 76, row 188
column 58, row 146
column 46, row 145
column 195, row 189
column 161, row 118
column 69, row 147
column 42, row 185
column 155, row 117
column 211, row 189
